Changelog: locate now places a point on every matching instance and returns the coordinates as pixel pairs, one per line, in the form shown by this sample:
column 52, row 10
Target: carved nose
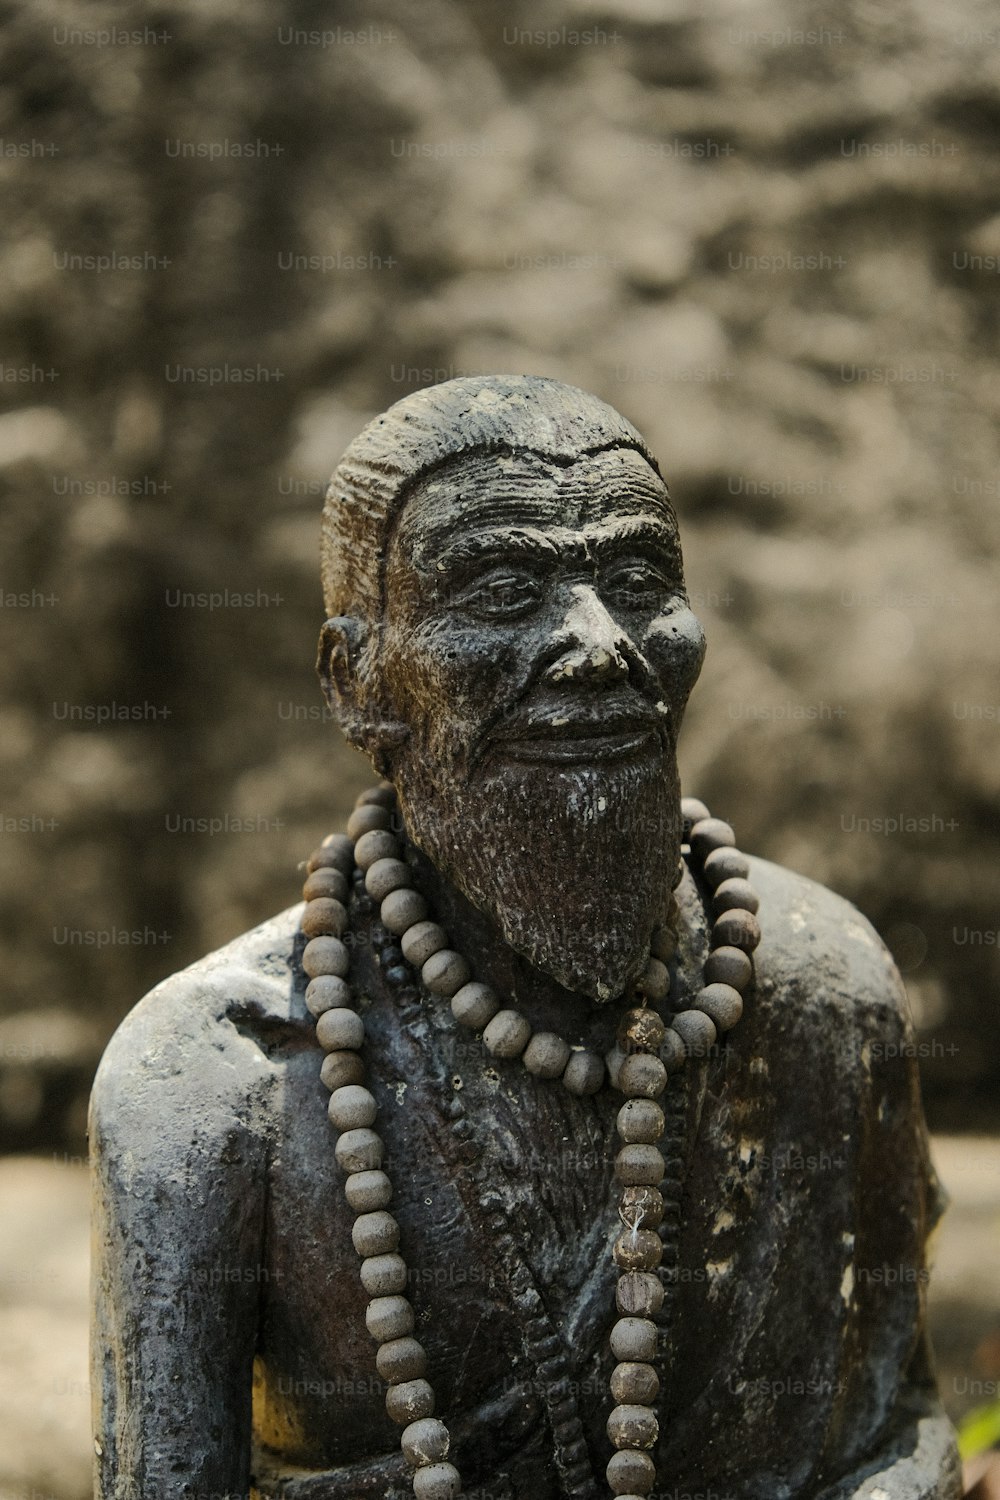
column 590, row 641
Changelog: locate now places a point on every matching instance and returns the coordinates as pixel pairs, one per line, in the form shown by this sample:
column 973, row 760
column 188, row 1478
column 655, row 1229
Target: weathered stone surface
column 567, row 210
column 511, row 643
column 44, row 1427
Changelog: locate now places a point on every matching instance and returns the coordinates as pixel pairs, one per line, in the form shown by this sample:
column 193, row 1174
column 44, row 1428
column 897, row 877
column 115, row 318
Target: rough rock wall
column 767, row 232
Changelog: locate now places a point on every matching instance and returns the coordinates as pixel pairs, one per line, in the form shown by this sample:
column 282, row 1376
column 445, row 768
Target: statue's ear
column 357, row 703
column 341, row 642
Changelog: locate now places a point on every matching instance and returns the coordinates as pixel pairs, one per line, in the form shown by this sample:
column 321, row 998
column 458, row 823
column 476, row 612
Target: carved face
column 538, row 646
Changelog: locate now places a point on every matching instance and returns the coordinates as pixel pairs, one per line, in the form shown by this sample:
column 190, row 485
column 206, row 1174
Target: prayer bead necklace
column 647, row 1051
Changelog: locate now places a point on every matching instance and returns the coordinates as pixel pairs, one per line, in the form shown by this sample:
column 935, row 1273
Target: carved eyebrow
column 638, row 534
column 499, row 543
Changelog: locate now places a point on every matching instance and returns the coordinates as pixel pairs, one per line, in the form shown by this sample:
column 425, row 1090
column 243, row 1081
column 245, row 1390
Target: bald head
column 424, row 432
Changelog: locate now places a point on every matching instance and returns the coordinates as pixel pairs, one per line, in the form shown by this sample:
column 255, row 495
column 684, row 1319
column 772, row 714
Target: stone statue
column 614, row 1200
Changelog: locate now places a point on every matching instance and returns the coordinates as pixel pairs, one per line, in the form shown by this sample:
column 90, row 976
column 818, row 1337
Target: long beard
column 574, row 864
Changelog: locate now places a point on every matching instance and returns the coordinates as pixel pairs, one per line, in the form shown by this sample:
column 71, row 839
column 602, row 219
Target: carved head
column 511, row 643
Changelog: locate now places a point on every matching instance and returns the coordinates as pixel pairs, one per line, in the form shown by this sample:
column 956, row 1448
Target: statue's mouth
column 573, row 743
column 611, row 728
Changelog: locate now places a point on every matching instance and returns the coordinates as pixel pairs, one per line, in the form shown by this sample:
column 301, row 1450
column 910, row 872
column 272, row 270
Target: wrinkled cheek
column 674, row 646
column 448, row 683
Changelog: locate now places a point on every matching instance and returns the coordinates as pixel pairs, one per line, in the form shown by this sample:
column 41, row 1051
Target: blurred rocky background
column 768, row 232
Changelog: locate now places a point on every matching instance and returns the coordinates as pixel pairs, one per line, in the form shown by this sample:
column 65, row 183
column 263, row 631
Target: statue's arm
column 178, row 1173
column 919, row 1458
column 921, row 1461
column 897, row 1200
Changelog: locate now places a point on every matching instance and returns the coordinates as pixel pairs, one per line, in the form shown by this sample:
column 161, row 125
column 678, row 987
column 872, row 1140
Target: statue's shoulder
column 212, row 1027
column 818, row 949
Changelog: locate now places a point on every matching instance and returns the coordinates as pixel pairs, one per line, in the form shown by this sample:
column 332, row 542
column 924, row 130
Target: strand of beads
column 647, row 1051
column 400, row 1359
column 639, row 1166
column 506, row 1032
column 505, row 1262
column 651, row 1052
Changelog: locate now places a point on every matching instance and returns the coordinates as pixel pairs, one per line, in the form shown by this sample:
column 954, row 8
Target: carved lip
column 565, row 739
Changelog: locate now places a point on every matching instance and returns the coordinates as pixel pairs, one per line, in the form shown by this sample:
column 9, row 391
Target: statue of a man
column 614, row 1200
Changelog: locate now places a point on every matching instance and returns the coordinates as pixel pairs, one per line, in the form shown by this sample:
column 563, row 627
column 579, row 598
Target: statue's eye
column 639, row 584
column 502, row 592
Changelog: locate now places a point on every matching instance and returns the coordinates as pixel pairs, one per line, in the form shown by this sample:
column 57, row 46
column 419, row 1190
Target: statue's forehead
column 489, row 491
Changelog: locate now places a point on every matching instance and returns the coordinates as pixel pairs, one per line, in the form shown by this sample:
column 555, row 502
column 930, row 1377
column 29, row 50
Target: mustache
column 618, row 710
column 610, row 713
column 634, row 703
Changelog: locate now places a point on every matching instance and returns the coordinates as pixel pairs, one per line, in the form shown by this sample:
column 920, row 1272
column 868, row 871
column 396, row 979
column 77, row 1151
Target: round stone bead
column 352, row 1107
column 638, row 1295
column 736, row 929
column 325, row 884
column 706, row 835
column 335, row 853
column 437, row 1482
column 327, row 992
column 663, row 944
column 726, row 864
column 640, row 1121
column 401, row 1359
column 402, row 908
column 654, row 980
column 368, row 818
column 546, row 1055
column 634, row 1339
column 409, row 1402
column 383, row 795
column 326, row 955
column 376, row 1233
column 341, row 1068
column 508, row 1034
column 642, row 1076
column 324, row 918
column 340, row 1030
column 379, row 844
column 696, row 1030
column 641, row 1208
column 693, row 810
column 389, row 1318
column 638, row 1250
column 387, row 875
column 672, row 1054
column 367, row 1191
column 425, row 1442
column 729, row 966
column 633, row 1426
column 613, row 1062
column 722, row 1003
column 474, row 1005
column 639, row 1166
column 421, row 940
column 359, row 1151
column 735, row 894
column 445, row 972
column 384, row 1276
column 640, row 1030
column 584, row 1073
column 631, row 1473
column 633, row 1382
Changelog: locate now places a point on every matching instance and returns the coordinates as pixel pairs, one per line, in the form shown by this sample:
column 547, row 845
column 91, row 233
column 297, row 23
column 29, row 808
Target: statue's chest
column 504, row 1190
